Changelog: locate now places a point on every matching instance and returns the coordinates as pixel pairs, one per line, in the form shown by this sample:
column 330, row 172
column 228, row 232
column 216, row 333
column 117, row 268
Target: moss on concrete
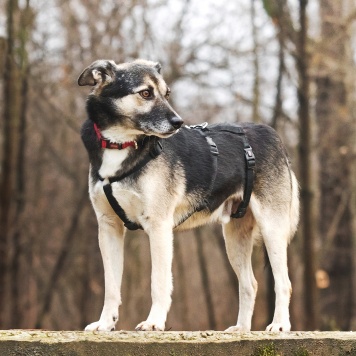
column 70, row 343
column 267, row 350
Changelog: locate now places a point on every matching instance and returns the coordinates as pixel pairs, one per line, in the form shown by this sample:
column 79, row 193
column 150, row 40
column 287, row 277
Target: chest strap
column 250, row 163
column 153, row 153
column 118, row 209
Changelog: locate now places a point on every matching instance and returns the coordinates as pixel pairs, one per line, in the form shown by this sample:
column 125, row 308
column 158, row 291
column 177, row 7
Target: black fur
column 189, row 149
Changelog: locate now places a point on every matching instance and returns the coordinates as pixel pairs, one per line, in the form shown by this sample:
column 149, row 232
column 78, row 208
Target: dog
column 149, row 171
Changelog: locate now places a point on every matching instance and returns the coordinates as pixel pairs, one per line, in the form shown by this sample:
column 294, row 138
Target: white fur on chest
column 112, row 160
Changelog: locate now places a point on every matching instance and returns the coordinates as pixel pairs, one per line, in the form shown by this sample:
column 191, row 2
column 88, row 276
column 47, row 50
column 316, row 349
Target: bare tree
column 335, row 154
column 297, row 43
column 306, row 178
column 12, row 183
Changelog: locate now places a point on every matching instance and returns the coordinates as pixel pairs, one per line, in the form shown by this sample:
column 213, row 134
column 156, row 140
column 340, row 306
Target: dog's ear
column 158, row 67
column 99, row 72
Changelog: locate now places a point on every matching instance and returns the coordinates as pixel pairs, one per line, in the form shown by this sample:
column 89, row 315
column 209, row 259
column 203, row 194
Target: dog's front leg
column 161, row 245
column 111, row 242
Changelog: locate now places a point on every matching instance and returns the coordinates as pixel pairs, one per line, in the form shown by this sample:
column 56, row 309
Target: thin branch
column 334, row 224
column 62, row 257
column 256, row 67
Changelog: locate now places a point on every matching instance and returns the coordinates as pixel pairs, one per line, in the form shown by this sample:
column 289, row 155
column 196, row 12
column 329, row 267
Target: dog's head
column 132, row 95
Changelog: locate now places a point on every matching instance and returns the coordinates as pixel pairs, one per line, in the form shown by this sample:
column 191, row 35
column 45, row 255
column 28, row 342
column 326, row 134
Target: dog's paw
column 100, row 326
column 278, row 327
column 149, row 326
column 237, row 328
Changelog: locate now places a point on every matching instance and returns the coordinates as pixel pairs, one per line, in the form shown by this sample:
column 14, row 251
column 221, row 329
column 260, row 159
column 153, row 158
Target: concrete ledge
column 73, row 343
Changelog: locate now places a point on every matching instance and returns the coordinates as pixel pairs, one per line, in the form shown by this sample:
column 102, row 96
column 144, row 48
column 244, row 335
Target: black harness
column 250, row 162
column 156, row 150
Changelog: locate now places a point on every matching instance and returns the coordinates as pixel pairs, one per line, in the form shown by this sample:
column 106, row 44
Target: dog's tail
column 294, row 204
column 294, row 198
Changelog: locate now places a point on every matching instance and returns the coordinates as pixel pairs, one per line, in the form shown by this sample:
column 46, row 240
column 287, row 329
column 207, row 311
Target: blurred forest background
column 287, row 63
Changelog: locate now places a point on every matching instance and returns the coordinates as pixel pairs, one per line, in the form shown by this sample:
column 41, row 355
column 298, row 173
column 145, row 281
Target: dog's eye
column 146, row 94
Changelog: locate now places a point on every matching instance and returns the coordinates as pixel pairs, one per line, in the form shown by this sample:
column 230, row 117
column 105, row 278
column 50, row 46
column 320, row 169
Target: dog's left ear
column 99, row 72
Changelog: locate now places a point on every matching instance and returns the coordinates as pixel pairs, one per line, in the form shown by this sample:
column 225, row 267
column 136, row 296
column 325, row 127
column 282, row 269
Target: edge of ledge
column 45, row 336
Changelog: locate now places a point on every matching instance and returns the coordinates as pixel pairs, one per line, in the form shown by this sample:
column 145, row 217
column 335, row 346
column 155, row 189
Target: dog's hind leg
column 238, row 236
column 161, row 245
column 111, row 242
column 276, row 230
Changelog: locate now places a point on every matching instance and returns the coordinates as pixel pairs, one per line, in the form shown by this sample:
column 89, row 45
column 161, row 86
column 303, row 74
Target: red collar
column 104, row 143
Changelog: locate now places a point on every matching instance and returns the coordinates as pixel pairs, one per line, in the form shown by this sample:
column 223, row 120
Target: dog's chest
column 111, row 163
column 124, row 192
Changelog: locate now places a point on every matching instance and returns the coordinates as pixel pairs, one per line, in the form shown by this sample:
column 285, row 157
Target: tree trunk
column 335, row 138
column 353, row 219
column 10, row 147
column 12, row 180
column 306, row 179
column 25, row 24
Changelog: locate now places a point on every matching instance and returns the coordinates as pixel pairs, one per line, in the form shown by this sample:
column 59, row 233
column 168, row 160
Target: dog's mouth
column 163, row 128
column 162, row 134
column 169, row 134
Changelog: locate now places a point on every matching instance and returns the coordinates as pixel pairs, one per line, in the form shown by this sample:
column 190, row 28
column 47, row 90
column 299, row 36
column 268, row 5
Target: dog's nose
column 176, row 122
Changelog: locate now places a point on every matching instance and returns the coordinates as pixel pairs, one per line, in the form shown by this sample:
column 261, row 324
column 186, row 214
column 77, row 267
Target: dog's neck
column 113, row 159
column 116, row 134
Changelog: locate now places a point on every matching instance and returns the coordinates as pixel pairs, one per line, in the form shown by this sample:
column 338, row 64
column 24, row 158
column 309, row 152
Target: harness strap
column 250, row 171
column 118, row 209
column 202, row 128
column 153, row 153
column 250, row 162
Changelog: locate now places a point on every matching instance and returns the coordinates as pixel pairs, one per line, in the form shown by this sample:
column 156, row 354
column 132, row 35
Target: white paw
column 237, row 328
column 100, row 326
column 278, row 327
column 149, row 326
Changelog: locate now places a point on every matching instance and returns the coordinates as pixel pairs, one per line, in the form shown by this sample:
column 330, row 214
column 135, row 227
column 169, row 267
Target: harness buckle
column 201, row 126
column 213, row 148
column 250, row 157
